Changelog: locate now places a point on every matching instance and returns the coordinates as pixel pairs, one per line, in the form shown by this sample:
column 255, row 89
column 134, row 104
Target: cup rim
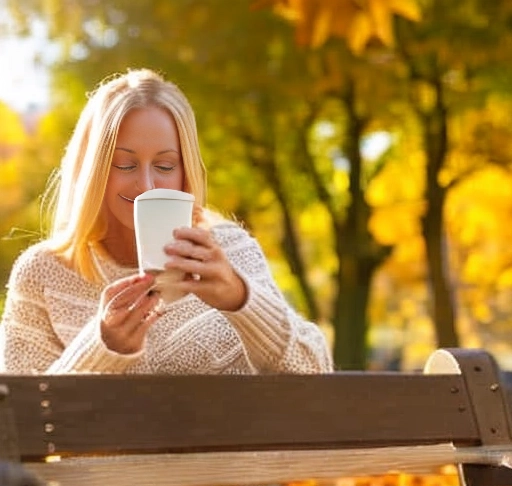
column 162, row 193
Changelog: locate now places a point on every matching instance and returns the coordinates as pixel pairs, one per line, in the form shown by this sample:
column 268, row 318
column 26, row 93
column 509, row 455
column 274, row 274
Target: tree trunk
column 349, row 314
column 441, row 292
column 291, row 249
column 358, row 254
column 266, row 163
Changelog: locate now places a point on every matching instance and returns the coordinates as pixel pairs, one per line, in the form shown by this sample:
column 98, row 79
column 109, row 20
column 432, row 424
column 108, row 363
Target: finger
column 148, row 311
column 197, row 236
column 140, row 299
column 120, row 307
column 143, row 301
column 198, row 215
column 124, row 330
column 128, row 295
column 114, row 288
column 146, row 322
column 190, row 250
column 207, row 267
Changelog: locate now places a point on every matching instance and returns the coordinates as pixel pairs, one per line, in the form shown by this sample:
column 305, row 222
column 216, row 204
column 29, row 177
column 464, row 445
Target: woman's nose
column 145, row 180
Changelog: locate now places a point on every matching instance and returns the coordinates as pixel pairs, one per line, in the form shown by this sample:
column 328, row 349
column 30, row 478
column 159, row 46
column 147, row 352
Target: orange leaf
column 382, row 20
column 321, row 26
column 360, row 32
column 406, row 8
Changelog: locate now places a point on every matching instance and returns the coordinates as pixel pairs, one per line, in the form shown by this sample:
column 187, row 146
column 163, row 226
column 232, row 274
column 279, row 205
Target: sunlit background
column 24, row 83
column 321, row 127
column 366, row 144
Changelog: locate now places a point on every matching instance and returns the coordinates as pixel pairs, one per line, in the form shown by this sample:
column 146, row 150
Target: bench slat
column 83, row 414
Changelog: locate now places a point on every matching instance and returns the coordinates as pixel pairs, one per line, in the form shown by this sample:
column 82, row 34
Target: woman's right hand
column 128, row 307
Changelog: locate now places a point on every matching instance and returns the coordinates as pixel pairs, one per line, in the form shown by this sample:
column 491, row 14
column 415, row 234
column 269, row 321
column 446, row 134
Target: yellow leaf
column 305, row 11
column 321, row 26
column 343, row 18
column 382, row 20
column 360, row 32
column 357, row 21
column 406, row 8
column 291, row 10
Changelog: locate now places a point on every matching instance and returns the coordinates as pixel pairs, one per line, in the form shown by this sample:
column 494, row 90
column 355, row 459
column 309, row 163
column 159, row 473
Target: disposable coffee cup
column 157, row 213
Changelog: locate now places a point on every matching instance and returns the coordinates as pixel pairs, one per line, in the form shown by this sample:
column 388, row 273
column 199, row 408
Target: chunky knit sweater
column 51, row 323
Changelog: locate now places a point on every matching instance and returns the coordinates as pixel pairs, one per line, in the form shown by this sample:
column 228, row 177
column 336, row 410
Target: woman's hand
column 128, row 307
column 209, row 274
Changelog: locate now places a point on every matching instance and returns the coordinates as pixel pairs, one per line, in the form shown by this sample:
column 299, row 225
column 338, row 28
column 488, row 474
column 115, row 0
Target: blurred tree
column 12, row 140
column 450, row 57
column 32, row 155
column 443, row 54
column 340, row 76
column 12, row 132
column 477, row 212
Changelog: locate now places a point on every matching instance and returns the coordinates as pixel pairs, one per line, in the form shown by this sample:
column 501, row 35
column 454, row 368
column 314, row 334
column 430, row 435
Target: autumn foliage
column 393, row 248
column 366, row 143
column 358, row 23
column 448, row 478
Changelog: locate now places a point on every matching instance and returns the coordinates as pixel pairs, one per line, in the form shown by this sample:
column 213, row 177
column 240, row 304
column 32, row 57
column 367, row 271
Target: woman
column 76, row 302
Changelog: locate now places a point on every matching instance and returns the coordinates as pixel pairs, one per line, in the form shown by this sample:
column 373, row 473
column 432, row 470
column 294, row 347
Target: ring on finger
column 145, row 317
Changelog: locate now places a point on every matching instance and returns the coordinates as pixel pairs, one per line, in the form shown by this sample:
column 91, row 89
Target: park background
column 367, row 144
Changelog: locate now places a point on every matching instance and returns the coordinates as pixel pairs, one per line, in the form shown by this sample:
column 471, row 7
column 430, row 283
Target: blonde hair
column 75, row 194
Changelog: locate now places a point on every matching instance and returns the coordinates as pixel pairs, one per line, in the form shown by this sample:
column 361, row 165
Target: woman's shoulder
column 228, row 232
column 35, row 254
column 35, row 263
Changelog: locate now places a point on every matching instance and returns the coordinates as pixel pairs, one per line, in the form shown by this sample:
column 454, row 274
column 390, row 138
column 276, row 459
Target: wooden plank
column 261, row 467
column 110, row 413
column 23, row 405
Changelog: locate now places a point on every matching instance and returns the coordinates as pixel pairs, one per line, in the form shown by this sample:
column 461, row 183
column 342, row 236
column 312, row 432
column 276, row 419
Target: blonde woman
column 76, row 301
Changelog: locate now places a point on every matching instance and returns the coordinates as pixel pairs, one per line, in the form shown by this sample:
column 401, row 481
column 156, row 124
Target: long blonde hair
column 75, row 195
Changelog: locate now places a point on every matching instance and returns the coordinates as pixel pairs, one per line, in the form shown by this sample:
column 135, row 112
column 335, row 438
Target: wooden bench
column 94, row 430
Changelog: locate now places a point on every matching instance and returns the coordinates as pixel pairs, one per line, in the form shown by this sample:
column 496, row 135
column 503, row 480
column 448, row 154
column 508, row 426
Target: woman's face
column 147, row 156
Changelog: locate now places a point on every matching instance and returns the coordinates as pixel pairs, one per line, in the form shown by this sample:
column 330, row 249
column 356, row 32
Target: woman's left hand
column 209, row 273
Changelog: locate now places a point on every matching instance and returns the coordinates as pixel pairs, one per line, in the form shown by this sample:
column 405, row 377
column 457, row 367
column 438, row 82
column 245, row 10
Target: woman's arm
column 276, row 337
column 31, row 342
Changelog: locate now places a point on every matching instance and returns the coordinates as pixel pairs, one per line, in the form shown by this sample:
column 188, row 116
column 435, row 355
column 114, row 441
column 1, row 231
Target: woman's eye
column 125, row 168
column 165, row 168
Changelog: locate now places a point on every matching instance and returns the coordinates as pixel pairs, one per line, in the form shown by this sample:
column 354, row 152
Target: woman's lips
column 126, row 198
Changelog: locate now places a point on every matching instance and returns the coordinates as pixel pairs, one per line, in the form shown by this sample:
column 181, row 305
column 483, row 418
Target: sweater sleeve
column 276, row 337
column 87, row 353
column 31, row 343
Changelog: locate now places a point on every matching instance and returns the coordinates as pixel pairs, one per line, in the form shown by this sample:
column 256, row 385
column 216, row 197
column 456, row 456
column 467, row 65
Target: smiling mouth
column 126, row 198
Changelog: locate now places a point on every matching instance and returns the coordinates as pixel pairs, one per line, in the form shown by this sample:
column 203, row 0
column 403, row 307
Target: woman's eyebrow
column 158, row 153
column 125, row 150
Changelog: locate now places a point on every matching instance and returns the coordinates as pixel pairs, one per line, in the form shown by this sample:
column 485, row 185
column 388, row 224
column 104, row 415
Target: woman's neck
column 122, row 248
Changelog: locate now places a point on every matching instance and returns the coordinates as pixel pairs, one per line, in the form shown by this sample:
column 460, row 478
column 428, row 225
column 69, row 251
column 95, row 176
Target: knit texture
column 51, row 324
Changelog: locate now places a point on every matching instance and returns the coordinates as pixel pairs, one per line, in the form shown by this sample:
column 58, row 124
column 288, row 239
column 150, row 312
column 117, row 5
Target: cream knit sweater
column 50, row 322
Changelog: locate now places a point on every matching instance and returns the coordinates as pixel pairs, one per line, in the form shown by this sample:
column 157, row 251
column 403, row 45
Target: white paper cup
column 157, row 213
